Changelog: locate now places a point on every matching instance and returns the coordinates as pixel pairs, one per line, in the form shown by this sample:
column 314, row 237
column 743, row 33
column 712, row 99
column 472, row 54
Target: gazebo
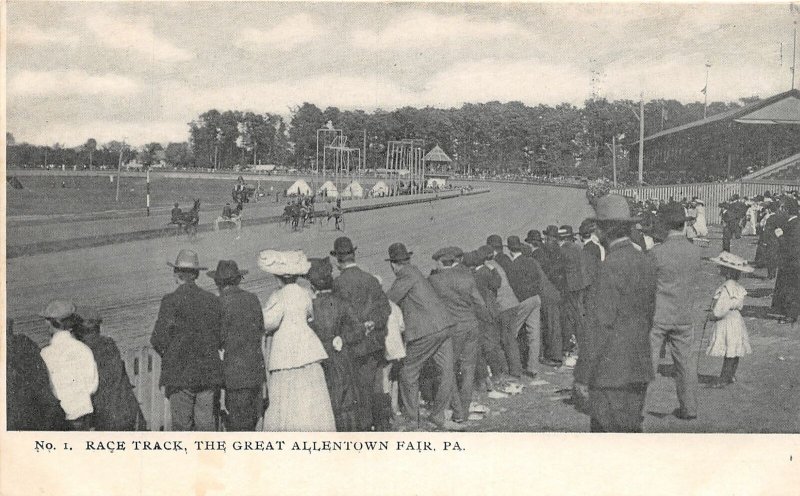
column 436, row 155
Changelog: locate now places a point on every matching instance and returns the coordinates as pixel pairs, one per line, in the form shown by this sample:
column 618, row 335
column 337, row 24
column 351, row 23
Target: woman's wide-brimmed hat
column 732, row 262
column 613, row 208
column 187, row 259
column 283, row 263
column 226, row 269
column 58, row 310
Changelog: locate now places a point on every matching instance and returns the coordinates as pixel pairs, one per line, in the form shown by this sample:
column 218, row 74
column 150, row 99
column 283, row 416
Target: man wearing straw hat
column 187, row 337
column 243, row 363
column 616, row 367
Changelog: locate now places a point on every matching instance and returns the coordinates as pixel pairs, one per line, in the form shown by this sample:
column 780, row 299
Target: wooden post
column 641, row 139
column 119, row 170
column 614, row 158
column 148, row 191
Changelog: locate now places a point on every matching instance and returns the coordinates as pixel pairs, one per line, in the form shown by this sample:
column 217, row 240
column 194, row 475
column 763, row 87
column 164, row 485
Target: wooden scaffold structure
column 334, row 156
column 405, row 166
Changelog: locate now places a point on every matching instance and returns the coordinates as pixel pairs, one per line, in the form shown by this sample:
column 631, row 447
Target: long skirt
column 299, row 401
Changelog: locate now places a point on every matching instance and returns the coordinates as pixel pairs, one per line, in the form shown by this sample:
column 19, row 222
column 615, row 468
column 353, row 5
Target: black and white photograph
column 347, row 217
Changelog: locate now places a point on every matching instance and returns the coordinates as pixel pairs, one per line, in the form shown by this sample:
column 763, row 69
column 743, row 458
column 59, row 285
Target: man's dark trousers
column 617, row 409
column 438, row 346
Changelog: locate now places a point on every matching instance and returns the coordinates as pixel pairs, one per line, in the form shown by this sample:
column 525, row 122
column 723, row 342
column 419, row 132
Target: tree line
column 480, row 137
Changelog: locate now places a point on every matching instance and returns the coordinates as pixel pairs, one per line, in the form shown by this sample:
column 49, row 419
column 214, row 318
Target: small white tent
column 328, row 190
column 353, row 190
column 380, row 189
column 300, row 187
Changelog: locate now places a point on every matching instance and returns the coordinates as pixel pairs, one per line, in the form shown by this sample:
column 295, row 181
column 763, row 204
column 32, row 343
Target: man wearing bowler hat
column 242, row 361
column 364, row 294
column 187, row 336
column 554, row 268
column 458, row 290
column 496, row 242
column 572, row 322
column 428, row 335
column 534, row 239
column 615, row 368
column 678, row 263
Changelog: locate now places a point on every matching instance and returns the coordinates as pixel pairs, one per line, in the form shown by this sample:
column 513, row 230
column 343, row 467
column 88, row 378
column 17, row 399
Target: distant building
column 436, row 181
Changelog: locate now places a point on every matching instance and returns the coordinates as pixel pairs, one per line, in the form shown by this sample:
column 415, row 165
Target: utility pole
column 641, row 138
column 705, row 93
column 614, row 158
column 794, row 52
column 119, row 169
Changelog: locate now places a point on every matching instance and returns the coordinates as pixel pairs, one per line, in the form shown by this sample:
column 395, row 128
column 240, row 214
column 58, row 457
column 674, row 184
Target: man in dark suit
column 572, row 310
column 496, row 242
column 526, row 279
column 115, row 405
column 187, row 336
column 787, row 285
column 428, row 335
column 534, row 239
column 242, row 360
column 457, row 289
column 552, row 264
column 364, row 294
column 617, row 365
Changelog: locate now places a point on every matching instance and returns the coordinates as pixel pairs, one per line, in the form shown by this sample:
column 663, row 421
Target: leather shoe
column 683, row 415
column 447, row 425
column 550, row 363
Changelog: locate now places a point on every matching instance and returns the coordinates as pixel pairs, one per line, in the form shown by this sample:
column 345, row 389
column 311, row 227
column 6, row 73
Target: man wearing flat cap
column 363, row 292
column 458, row 290
column 243, row 367
column 429, row 327
column 187, row 336
column 678, row 264
column 70, row 365
column 616, row 367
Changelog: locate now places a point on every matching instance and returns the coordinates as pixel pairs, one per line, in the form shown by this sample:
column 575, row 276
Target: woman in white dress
column 729, row 339
column 298, row 394
column 699, row 225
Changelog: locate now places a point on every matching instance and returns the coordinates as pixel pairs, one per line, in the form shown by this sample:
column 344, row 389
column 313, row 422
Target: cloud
column 135, row 36
column 530, row 81
column 32, row 35
column 426, row 30
column 76, row 133
column 293, row 31
column 68, row 83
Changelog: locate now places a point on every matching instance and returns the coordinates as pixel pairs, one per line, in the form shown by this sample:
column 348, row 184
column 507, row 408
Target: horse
column 338, row 218
column 187, row 221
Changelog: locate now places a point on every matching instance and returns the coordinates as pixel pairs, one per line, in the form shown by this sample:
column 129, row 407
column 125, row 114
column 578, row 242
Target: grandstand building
column 758, row 141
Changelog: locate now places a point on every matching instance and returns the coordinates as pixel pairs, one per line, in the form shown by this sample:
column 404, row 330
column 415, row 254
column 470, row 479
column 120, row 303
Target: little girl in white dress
column 729, row 339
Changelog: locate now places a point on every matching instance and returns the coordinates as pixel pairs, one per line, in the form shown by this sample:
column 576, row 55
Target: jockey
column 176, row 212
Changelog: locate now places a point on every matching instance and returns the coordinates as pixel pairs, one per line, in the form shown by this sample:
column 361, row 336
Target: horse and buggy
column 187, row 222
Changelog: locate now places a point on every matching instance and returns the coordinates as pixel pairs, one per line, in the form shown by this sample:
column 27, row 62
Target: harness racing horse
column 338, row 218
column 187, row 221
column 235, row 219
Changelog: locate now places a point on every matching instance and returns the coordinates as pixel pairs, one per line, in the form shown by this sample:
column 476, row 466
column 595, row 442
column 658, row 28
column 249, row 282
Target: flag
column 703, row 91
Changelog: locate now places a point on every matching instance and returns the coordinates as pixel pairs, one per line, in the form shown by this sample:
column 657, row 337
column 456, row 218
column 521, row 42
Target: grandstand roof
column 783, row 108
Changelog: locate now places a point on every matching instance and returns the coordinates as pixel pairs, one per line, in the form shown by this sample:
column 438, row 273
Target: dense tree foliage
column 485, row 136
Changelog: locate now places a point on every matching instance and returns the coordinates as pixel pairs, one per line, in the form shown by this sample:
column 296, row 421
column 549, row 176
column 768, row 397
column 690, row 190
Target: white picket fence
column 711, row 193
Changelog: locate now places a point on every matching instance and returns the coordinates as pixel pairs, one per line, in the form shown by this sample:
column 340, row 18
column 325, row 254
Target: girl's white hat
column 732, row 261
column 284, row 263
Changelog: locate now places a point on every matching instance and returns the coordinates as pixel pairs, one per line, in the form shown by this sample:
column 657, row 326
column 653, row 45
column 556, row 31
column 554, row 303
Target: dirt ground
column 126, row 281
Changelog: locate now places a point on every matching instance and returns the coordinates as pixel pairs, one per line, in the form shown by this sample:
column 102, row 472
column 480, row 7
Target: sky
column 143, row 70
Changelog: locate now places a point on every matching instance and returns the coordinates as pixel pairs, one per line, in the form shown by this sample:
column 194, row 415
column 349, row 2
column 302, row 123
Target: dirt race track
column 126, row 281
